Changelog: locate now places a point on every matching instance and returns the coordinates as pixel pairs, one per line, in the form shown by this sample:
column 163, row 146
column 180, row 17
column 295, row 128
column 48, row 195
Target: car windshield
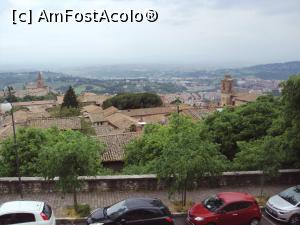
column 116, row 210
column 212, row 203
column 292, row 195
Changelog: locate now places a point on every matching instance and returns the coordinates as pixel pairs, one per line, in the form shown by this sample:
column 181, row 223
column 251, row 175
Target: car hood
column 98, row 216
column 279, row 203
column 200, row 210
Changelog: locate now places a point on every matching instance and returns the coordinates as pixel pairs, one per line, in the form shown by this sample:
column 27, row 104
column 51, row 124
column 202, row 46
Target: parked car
column 135, row 211
column 225, row 208
column 285, row 206
column 27, row 213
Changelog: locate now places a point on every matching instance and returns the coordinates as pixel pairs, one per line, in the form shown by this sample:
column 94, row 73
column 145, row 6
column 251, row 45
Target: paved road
column 266, row 220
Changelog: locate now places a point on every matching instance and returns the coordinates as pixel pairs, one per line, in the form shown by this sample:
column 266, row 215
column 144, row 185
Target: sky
column 210, row 33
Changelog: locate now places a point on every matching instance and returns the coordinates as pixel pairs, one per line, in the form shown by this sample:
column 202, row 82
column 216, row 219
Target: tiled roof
column 196, row 113
column 101, row 116
column 246, row 97
column 149, row 111
column 91, row 97
column 115, row 144
column 92, row 109
column 45, row 102
column 66, row 123
column 121, row 121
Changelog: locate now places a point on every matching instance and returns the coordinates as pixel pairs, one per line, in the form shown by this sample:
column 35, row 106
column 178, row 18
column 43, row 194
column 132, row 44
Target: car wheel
column 295, row 220
column 254, row 222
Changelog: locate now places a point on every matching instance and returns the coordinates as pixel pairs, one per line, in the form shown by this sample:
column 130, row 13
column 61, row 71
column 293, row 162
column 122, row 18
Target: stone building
column 231, row 98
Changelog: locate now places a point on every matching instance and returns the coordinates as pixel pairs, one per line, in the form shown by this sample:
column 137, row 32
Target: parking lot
column 266, row 220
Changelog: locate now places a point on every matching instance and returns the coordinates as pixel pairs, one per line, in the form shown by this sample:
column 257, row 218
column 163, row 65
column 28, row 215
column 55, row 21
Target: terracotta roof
column 115, row 144
column 20, row 116
column 92, row 97
column 246, row 97
column 159, row 118
column 66, row 123
column 91, row 109
column 60, row 99
column 45, row 102
column 148, row 111
column 196, row 113
column 101, row 116
column 121, row 121
column 107, row 129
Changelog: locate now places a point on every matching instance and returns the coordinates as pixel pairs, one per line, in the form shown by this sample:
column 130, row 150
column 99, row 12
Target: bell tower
column 40, row 81
column 226, row 91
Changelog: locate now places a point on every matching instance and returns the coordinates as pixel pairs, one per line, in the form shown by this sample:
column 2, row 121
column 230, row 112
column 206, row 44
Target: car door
column 244, row 214
column 229, row 215
column 134, row 217
column 153, row 217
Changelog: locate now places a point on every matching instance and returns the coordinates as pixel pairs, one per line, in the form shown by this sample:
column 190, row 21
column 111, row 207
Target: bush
column 83, row 210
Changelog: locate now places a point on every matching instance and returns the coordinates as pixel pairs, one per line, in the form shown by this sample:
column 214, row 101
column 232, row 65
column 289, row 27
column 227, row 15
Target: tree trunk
column 75, row 198
column 184, row 191
column 262, row 183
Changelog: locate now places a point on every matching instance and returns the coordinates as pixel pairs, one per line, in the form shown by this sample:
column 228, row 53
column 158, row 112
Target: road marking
column 267, row 219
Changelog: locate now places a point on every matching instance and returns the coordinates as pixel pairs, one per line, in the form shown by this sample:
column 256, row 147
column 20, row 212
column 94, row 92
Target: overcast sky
column 204, row 32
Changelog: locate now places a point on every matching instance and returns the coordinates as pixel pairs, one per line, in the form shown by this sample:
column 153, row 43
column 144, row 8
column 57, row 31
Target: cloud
column 212, row 32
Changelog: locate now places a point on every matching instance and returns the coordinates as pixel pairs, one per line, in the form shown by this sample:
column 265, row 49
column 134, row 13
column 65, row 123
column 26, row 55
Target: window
column 23, row 218
column 231, row 207
column 47, row 211
column 6, row 219
column 243, row 205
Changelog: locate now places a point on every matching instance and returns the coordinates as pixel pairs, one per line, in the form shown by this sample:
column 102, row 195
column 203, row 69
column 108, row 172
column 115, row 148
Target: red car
column 225, row 208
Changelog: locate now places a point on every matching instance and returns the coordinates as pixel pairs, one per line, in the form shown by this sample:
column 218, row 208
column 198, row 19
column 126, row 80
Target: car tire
column 254, row 221
column 295, row 220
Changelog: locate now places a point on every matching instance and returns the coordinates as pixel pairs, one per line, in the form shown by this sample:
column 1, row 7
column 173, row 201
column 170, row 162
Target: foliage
column 245, row 123
column 86, row 127
column 133, row 101
column 179, row 153
column 30, row 142
column 69, row 155
column 70, row 99
column 57, row 111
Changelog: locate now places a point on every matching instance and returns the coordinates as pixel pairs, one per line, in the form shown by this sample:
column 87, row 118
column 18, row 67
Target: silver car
column 285, row 206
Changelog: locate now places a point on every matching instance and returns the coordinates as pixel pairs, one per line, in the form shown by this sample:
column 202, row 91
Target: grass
column 83, row 210
column 176, row 206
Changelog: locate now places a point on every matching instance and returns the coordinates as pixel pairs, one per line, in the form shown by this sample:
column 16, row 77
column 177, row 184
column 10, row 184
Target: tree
column 70, row 99
column 133, row 101
column 29, row 143
column 180, row 153
column 265, row 154
column 70, row 155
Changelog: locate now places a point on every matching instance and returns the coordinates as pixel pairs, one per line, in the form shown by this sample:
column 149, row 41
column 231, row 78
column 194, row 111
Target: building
column 34, row 89
column 229, row 97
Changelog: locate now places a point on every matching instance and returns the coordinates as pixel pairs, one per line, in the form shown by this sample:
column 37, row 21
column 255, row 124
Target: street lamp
column 8, row 107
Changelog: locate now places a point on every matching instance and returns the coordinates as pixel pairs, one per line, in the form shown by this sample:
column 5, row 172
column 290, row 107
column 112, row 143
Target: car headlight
column 96, row 223
column 283, row 212
column 198, row 218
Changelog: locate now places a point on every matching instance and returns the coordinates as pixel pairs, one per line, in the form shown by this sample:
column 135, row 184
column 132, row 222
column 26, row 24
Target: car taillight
column 44, row 216
column 169, row 220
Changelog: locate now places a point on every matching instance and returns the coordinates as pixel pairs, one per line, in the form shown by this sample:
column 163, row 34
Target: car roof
column 229, row 197
column 134, row 203
column 21, row 206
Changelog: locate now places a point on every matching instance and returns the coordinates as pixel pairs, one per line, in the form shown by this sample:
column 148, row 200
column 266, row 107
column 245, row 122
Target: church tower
column 227, row 91
column 40, row 81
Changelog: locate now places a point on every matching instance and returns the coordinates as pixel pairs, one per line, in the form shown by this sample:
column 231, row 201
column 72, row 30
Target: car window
column 23, row 218
column 6, row 219
column 142, row 214
column 243, row 205
column 231, row 207
column 47, row 210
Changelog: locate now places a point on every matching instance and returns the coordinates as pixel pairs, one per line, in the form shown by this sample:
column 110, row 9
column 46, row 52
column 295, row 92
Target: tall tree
column 70, row 99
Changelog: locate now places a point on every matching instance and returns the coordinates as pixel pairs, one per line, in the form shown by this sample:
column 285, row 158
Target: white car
column 26, row 213
column 285, row 206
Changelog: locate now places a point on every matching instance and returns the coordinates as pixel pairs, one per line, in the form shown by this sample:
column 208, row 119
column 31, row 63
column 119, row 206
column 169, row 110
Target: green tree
column 70, row 99
column 265, row 154
column 70, row 155
column 30, row 141
column 180, row 153
column 133, row 101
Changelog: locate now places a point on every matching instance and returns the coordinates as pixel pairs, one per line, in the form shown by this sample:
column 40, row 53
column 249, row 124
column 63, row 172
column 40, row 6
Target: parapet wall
column 9, row 185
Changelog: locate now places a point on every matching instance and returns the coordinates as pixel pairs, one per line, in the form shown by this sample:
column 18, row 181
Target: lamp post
column 6, row 107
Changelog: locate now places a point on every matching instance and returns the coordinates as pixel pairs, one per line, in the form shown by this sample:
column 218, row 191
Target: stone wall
column 146, row 182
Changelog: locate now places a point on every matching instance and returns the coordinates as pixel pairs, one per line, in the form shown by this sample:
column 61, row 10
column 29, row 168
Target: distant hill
column 274, row 71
